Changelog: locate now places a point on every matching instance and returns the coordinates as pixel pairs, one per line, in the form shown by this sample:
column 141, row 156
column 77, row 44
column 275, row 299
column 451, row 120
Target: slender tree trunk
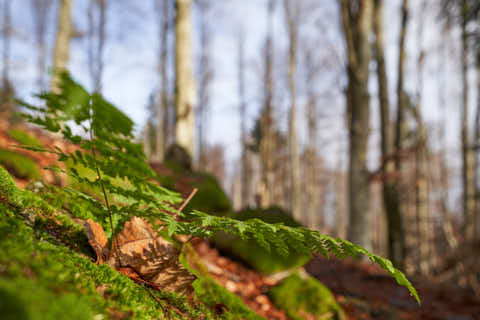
column 311, row 172
column 421, row 169
column 357, row 21
column 205, row 80
column 245, row 169
column 467, row 156
column 147, row 142
column 340, row 202
column 266, row 122
column 184, row 81
column 477, row 156
column 163, row 111
column 292, row 23
column 41, row 9
column 62, row 42
column 97, row 31
column 6, row 32
column 395, row 232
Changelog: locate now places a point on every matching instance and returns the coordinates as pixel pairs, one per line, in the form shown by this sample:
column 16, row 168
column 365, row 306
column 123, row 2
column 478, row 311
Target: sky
column 131, row 67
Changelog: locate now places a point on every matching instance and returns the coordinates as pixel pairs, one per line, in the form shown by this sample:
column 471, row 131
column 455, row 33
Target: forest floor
column 362, row 289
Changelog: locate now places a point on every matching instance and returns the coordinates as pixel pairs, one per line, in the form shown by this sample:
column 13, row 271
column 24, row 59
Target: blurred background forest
column 361, row 118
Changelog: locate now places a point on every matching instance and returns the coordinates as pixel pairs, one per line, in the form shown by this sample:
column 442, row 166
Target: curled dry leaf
column 142, row 255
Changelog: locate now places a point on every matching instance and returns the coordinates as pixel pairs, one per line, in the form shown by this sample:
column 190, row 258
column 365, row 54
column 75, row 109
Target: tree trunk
column 205, row 76
column 97, row 29
column 421, row 168
column 184, row 81
column 292, row 23
column 467, row 156
column 340, row 202
column 245, row 168
column 395, row 245
column 62, row 42
column 477, row 156
column 311, row 175
column 357, row 20
column 395, row 232
column 163, row 107
column 266, row 122
column 41, row 9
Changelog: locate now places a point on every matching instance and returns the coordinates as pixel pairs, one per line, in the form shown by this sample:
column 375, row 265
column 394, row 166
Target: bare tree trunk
column 467, row 156
column 62, row 42
column 395, row 232
column 7, row 91
column 41, row 10
column 163, row 107
column 245, row 168
column 266, row 121
column 147, row 141
column 292, row 14
column 205, row 79
column 96, row 32
column 477, row 157
column 357, row 21
column 421, row 171
column 311, row 175
column 6, row 32
column 184, row 80
column 341, row 222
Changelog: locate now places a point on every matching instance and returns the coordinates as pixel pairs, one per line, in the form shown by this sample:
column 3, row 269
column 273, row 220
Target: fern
column 124, row 178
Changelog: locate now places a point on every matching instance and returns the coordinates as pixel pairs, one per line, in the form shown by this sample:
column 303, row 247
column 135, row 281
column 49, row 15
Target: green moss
column 24, row 138
column 300, row 297
column 19, row 165
column 210, row 196
column 249, row 251
column 39, row 279
column 8, row 189
column 228, row 305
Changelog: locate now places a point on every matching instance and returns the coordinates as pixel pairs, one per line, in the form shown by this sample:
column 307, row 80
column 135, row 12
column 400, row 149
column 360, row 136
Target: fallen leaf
column 142, row 255
column 97, row 239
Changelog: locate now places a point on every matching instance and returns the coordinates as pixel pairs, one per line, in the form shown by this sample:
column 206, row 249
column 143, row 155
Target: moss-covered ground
column 21, row 166
column 305, row 297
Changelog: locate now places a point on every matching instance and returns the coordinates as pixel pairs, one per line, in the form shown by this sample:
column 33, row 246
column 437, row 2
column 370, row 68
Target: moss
column 8, row 189
column 24, row 138
column 40, row 278
column 226, row 304
column 210, row 196
column 19, row 165
column 301, row 297
column 249, row 251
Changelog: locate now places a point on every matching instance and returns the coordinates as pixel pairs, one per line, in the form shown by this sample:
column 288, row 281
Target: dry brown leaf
column 142, row 255
column 97, row 239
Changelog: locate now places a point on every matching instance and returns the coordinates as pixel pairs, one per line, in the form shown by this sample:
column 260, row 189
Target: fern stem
column 113, row 244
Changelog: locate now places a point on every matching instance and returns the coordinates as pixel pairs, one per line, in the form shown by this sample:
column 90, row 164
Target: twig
column 186, row 201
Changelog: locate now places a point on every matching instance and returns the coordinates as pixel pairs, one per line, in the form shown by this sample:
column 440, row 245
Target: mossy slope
column 305, row 297
column 45, row 275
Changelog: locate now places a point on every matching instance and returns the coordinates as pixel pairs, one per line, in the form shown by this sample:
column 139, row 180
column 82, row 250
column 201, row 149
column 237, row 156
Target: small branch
column 186, row 201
